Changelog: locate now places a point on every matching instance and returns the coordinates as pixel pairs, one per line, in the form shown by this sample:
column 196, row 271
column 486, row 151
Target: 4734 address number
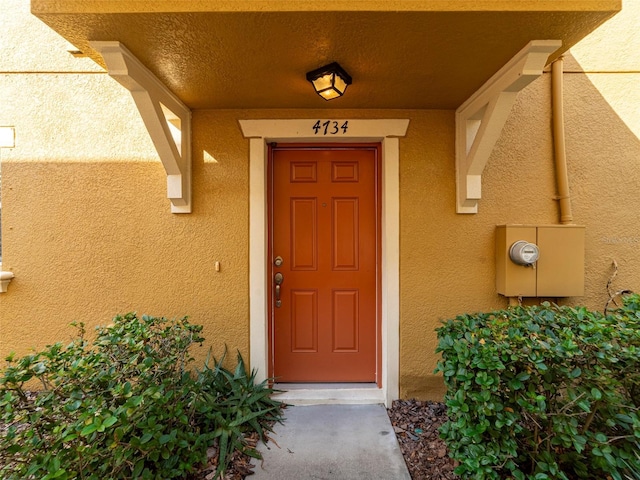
column 330, row 127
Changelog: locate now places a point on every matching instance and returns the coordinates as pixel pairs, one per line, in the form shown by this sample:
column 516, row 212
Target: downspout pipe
column 560, row 153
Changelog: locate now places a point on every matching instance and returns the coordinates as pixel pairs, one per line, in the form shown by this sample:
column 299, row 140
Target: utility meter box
column 557, row 252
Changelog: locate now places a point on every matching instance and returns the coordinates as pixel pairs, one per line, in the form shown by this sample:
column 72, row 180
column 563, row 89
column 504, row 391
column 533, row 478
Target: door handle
column 278, row 279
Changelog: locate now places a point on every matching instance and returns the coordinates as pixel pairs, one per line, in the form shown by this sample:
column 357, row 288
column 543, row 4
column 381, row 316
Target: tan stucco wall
column 87, row 228
column 87, row 239
column 88, row 232
column 603, row 94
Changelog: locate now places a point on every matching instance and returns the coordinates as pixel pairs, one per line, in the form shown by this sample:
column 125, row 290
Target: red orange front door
column 324, row 228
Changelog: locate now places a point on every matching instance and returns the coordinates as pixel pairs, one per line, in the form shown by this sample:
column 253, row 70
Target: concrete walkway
column 319, row 442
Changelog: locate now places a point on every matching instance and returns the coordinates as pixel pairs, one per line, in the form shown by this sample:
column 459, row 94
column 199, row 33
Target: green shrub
column 240, row 405
column 543, row 393
column 126, row 405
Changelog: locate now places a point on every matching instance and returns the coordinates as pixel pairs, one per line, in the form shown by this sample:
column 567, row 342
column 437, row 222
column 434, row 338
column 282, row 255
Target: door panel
column 324, row 224
column 345, row 321
column 345, row 234
column 304, row 234
column 304, row 321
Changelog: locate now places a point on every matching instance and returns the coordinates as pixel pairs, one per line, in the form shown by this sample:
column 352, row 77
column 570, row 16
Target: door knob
column 278, row 279
column 278, row 261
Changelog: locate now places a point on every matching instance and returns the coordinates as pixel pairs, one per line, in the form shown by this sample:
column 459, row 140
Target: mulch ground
column 239, row 468
column 416, row 425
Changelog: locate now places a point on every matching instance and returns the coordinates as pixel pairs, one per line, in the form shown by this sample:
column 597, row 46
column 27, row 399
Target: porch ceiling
column 414, row 54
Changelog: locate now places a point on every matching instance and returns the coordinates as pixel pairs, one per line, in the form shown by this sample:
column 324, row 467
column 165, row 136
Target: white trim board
column 386, row 131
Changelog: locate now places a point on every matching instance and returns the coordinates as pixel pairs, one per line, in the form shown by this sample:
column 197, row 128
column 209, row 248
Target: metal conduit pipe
column 560, row 154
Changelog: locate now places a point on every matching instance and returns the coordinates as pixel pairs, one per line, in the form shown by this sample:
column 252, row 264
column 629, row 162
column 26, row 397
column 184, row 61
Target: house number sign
column 330, row 127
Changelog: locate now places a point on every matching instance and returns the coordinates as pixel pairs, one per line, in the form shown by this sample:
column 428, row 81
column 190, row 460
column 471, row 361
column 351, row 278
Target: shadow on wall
column 603, row 153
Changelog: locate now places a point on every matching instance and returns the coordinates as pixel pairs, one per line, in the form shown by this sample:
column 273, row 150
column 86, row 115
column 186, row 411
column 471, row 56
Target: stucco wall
column 88, row 232
column 87, row 228
column 91, row 235
column 603, row 137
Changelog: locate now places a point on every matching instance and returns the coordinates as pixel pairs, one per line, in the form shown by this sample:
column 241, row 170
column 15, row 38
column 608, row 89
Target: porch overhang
column 471, row 56
column 402, row 54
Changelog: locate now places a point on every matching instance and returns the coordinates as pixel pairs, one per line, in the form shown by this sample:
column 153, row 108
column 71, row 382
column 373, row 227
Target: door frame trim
column 384, row 131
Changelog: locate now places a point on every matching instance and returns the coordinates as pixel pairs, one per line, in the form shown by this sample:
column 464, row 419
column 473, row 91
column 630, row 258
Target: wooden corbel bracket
column 167, row 119
column 480, row 119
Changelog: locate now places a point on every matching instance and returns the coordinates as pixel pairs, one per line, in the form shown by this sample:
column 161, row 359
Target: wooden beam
column 480, row 119
column 167, row 119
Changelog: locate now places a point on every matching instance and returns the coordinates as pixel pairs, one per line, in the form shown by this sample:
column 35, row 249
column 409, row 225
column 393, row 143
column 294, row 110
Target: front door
column 324, row 254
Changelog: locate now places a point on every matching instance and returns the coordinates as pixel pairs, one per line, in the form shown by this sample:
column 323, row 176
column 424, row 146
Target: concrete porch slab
column 319, row 442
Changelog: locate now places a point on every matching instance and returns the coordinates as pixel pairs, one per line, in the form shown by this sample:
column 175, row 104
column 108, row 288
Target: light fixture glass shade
column 329, row 81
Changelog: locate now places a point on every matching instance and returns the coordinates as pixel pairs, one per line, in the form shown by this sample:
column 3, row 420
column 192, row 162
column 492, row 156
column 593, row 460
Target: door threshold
column 329, row 393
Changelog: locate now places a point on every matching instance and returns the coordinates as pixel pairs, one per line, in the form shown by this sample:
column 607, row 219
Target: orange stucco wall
column 88, row 233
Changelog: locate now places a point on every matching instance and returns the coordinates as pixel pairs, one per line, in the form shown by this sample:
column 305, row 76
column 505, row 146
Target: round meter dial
column 524, row 253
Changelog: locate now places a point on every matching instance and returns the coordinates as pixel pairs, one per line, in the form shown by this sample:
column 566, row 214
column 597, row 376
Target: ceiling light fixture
column 329, row 81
